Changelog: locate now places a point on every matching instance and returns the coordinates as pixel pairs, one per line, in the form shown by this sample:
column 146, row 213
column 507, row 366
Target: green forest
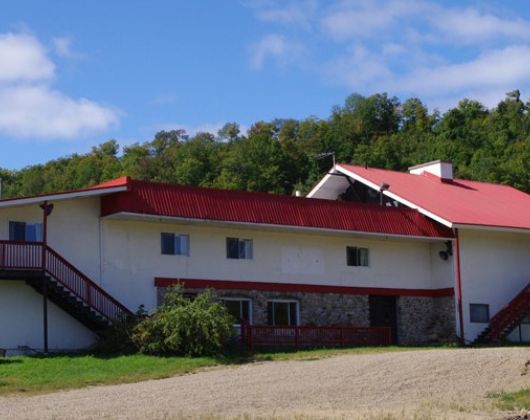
column 284, row 155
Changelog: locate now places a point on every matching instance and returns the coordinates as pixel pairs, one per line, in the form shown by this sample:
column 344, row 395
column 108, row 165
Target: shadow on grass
column 8, row 361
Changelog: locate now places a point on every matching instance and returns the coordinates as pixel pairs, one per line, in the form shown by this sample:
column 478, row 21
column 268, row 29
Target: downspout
column 459, row 286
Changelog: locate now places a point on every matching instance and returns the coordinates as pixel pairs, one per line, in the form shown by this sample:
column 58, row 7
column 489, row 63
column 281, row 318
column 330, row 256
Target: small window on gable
column 479, row 312
column 173, row 244
column 25, row 232
column 239, row 249
column 357, row 257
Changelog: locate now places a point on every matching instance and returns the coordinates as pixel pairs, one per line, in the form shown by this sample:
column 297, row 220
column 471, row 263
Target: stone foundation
column 423, row 320
column 420, row 320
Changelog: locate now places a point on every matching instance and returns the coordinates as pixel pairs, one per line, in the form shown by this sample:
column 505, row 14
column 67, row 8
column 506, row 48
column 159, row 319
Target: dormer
column 440, row 168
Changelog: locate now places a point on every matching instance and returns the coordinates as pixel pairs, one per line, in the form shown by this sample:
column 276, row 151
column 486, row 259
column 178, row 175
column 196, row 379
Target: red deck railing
column 35, row 256
column 296, row 337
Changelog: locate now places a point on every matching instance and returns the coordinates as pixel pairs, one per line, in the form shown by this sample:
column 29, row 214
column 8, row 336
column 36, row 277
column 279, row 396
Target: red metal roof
column 458, row 201
column 261, row 208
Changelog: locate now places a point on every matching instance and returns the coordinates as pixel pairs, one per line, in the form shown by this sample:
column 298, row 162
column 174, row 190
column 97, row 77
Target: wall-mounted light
column 448, row 252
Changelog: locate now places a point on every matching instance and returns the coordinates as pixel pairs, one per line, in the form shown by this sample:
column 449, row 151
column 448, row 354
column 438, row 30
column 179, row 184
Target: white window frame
column 250, row 241
column 175, row 236
column 358, row 248
column 239, row 299
column 289, row 312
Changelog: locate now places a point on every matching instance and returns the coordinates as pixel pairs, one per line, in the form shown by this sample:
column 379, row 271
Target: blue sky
column 74, row 74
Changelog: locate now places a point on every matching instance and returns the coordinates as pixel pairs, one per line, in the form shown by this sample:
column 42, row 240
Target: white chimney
column 298, row 193
column 440, row 168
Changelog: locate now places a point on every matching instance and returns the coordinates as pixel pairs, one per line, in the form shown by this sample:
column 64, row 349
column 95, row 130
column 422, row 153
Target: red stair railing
column 29, row 256
column 516, row 309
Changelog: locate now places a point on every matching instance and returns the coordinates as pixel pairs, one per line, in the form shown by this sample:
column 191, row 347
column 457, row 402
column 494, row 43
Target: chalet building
column 434, row 258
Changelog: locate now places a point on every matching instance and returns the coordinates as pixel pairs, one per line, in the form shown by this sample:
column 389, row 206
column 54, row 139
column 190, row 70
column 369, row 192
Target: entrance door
column 383, row 313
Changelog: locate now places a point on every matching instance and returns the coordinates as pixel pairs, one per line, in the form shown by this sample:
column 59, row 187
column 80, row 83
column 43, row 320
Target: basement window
column 357, row 257
column 239, row 249
column 282, row 312
column 25, row 232
column 175, row 244
column 239, row 308
column 479, row 312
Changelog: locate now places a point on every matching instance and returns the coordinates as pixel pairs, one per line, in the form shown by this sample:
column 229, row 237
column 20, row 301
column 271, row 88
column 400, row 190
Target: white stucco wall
column 495, row 267
column 21, row 321
column 132, row 258
column 73, row 230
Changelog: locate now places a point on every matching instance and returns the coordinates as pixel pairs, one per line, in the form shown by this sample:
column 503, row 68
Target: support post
column 459, row 287
column 46, row 211
column 45, row 312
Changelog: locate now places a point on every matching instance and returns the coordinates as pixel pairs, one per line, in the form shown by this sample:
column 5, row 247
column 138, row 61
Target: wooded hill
column 281, row 155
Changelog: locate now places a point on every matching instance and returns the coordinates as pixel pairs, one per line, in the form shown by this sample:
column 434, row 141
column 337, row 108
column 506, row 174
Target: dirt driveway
column 417, row 384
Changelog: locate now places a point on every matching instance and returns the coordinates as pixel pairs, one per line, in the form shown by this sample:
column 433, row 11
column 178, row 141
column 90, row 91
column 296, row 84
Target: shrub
column 118, row 337
column 197, row 327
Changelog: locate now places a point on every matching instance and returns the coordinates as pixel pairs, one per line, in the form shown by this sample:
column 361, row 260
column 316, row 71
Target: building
column 422, row 253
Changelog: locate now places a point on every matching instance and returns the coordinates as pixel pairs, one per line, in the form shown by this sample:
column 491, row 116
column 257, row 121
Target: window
column 356, row 257
column 479, row 312
column 175, row 244
column 282, row 312
column 22, row 231
column 239, row 249
column 239, row 308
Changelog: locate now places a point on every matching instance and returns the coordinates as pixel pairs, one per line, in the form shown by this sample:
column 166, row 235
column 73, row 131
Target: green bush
column 197, row 327
column 117, row 339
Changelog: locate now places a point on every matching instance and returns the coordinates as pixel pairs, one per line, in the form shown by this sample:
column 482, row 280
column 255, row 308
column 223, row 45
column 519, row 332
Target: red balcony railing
column 296, row 337
column 35, row 256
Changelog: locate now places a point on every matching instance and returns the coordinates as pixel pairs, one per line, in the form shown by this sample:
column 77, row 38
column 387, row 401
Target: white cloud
column 276, row 46
column 507, row 67
column 23, row 59
column 29, row 105
column 359, row 68
column 471, row 26
column 36, row 111
column 63, row 46
column 287, row 12
column 365, row 18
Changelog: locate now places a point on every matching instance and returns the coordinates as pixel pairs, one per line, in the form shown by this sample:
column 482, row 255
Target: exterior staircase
column 506, row 319
column 51, row 275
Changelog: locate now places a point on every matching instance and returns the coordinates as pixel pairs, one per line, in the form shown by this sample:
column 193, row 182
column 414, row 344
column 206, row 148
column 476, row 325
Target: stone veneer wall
column 315, row 308
column 420, row 319
column 424, row 320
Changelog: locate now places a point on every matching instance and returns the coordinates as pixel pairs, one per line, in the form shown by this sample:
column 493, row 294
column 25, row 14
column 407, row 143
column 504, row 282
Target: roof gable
column 458, row 201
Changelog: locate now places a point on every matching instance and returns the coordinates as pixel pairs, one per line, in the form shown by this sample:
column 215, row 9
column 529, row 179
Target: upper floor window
column 357, row 257
column 173, row 244
column 239, row 248
column 22, row 231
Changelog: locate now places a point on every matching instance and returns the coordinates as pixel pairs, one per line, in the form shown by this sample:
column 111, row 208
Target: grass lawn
column 37, row 374
column 514, row 400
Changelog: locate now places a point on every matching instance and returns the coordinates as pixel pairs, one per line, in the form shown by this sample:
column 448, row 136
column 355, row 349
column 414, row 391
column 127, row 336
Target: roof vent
column 440, row 168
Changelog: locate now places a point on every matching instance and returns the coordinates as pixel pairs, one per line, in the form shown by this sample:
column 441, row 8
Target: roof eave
column 68, row 195
column 269, row 226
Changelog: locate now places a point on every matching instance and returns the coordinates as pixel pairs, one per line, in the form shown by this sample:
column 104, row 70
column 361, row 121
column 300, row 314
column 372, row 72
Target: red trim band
column 293, row 287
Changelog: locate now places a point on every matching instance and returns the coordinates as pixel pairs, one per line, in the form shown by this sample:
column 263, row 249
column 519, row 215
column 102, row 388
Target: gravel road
column 414, row 384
